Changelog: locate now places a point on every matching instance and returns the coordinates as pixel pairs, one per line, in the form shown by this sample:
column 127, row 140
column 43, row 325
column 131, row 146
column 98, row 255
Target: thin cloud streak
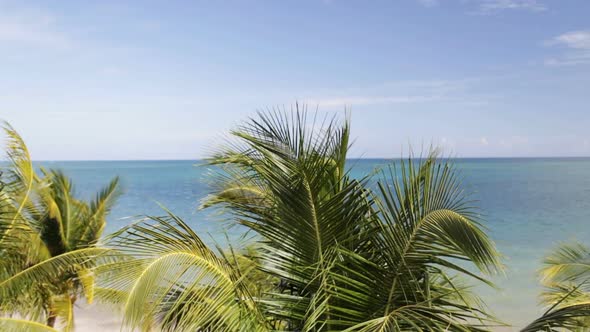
column 498, row 5
column 369, row 100
column 428, row 3
column 574, row 39
column 489, row 7
column 577, row 44
column 27, row 26
column 460, row 91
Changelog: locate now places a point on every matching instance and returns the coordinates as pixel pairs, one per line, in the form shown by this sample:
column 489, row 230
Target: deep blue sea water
column 530, row 206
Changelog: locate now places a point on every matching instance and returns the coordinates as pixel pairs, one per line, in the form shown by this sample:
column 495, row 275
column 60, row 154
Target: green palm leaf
column 173, row 281
column 11, row 324
column 46, row 272
column 566, row 276
column 18, row 181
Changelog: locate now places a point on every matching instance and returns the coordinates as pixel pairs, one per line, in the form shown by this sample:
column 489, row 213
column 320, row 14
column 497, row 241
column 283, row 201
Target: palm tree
column 566, row 276
column 348, row 254
column 47, row 239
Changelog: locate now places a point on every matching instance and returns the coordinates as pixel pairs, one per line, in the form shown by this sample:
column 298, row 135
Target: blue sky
column 164, row 79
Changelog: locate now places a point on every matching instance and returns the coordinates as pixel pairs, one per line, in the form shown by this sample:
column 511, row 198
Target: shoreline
column 96, row 317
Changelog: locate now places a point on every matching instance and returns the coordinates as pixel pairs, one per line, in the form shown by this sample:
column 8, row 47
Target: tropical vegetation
column 396, row 250
column 566, row 276
column 41, row 220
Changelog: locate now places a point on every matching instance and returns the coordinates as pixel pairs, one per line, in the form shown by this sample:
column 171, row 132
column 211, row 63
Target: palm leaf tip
column 21, row 325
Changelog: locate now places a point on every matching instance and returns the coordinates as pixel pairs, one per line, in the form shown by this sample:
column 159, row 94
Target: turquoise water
column 530, row 206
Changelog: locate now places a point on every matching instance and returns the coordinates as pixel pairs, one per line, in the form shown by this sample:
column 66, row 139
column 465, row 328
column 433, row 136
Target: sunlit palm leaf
column 175, row 282
column 17, row 183
column 11, row 324
column 569, row 317
column 46, row 272
column 569, row 263
column 89, row 232
column 566, row 276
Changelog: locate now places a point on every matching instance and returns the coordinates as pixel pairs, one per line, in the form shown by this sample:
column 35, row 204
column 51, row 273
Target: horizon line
column 351, row 158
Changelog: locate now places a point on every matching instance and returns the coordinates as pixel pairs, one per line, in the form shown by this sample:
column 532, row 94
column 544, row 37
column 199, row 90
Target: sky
column 111, row 80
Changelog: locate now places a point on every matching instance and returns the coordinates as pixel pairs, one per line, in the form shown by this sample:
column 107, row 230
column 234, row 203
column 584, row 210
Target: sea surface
column 529, row 206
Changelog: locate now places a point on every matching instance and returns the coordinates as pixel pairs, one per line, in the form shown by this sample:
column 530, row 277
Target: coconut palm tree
column 566, row 277
column 47, row 239
column 348, row 254
column 351, row 257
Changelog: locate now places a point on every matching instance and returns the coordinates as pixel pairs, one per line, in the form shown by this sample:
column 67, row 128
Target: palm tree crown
column 346, row 253
column 41, row 221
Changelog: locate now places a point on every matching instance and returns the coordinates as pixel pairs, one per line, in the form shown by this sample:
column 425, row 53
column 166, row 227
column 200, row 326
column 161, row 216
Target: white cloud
column 569, row 59
column 367, row 100
column 30, row 27
column 484, row 141
column 491, row 6
column 577, row 45
column 460, row 91
column 574, row 39
column 428, row 3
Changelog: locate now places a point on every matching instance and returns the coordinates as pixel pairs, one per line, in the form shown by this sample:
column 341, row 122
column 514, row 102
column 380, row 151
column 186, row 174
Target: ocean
column 530, row 205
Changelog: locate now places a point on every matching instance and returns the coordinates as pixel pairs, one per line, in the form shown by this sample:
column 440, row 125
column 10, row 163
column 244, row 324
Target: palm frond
column 566, row 277
column 17, row 185
column 47, row 272
column 173, row 281
column 569, row 317
column 21, row 325
column 424, row 226
column 569, row 263
column 89, row 232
